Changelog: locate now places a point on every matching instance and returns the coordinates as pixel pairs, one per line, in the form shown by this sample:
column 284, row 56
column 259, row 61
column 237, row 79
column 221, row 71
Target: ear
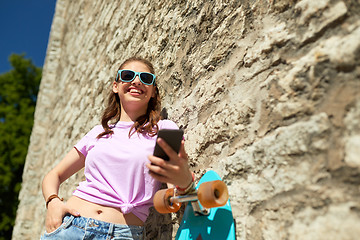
column 115, row 87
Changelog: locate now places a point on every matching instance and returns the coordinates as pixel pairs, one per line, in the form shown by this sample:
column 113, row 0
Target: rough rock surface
column 268, row 92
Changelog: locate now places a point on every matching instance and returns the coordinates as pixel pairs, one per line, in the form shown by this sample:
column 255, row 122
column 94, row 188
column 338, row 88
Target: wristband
column 189, row 188
column 51, row 197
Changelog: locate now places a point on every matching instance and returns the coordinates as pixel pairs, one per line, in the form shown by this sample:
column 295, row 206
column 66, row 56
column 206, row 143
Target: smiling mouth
column 135, row 91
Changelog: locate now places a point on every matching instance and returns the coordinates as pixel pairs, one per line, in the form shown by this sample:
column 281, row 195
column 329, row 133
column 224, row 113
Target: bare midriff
column 103, row 213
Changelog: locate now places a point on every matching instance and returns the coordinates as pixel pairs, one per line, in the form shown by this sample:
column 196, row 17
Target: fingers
column 182, row 152
column 157, row 162
column 175, row 171
column 158, row 177
column 155, row 170
column 161, row 168
column 158, row 165
column 74, row 212
column 55, row 215
column 174, row 157
column 52, row 224
column 167, row 149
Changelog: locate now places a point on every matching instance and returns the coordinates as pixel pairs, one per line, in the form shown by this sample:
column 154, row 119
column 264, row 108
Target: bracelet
column 189, row 188
column 51, row 197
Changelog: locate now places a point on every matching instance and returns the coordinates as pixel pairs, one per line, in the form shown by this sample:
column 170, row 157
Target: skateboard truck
column 191, row 197
column 209, row 195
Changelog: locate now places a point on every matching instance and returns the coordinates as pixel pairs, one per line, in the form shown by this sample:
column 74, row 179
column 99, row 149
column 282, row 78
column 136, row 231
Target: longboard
column 198, row 222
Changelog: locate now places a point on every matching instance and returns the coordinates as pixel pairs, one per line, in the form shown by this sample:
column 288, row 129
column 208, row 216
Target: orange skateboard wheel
column 213, row 194
column 162, row 201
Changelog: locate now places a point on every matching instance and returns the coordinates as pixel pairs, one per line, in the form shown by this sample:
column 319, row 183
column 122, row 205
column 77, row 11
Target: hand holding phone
column 173, row 138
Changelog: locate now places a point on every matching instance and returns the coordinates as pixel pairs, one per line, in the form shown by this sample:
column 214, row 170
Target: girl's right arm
column 56, row 209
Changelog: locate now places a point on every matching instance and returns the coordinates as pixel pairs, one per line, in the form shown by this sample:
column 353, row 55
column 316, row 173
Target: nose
column 136, row 80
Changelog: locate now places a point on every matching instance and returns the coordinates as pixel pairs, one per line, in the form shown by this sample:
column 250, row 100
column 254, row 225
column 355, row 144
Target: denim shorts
column 87, row 228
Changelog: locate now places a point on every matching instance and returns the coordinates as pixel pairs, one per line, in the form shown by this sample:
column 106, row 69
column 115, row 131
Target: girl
column 121, row 174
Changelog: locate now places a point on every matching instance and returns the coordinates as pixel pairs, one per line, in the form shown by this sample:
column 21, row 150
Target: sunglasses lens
column 147, row 78
column 127, row 75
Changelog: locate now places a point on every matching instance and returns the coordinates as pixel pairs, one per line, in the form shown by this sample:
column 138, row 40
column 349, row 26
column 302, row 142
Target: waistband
column 98, row 226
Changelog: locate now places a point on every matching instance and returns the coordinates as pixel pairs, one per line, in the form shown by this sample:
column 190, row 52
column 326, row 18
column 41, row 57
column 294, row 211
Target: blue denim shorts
column 87, row 228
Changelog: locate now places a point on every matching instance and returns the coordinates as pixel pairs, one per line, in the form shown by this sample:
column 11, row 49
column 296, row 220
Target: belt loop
column 68, row 221
column 110, row 232
column 87, row 223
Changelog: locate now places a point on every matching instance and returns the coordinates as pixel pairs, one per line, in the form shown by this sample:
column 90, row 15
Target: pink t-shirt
column 115, row 169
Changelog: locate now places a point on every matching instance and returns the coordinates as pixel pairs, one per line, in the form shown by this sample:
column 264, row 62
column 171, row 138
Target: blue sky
column 24, row 28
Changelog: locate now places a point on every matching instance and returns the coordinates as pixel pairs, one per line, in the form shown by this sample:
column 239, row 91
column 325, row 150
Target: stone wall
column 268, row 92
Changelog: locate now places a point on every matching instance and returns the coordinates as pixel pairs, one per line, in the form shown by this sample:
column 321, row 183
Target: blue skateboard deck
column 218, row 225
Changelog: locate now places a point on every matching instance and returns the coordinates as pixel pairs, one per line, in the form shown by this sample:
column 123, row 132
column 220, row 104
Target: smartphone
column 173, row 138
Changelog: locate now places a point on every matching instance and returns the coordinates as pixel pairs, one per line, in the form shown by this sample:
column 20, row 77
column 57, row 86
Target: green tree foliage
column 18, row 93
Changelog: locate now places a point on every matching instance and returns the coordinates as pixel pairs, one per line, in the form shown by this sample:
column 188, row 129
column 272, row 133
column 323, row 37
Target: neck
column 131, row 115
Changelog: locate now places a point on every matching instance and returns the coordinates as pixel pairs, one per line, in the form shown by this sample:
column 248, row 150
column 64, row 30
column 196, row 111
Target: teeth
column 135, row 91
